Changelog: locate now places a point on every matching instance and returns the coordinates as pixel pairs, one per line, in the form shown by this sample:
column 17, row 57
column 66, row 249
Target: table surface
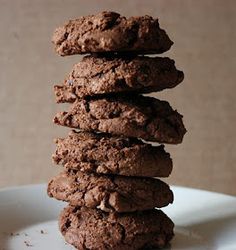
column 204, row 35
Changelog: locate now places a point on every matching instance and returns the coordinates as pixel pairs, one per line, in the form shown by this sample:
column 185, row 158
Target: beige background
column 204, row 33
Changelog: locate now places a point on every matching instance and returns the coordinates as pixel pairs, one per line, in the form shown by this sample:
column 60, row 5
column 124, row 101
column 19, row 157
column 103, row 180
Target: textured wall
column 204, row 34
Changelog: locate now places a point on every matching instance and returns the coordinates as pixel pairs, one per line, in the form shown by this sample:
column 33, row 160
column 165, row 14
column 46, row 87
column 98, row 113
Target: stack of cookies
column 108, row 168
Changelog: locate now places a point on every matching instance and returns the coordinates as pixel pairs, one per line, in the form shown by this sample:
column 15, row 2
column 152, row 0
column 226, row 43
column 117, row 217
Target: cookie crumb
column 42, row 232
column 14, row 234
column 28, row 244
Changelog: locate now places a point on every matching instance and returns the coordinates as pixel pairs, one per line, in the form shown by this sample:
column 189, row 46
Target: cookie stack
column 108, row 169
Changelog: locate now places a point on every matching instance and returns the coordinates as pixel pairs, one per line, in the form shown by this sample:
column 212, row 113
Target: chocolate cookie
column 111, row 32
column 106, row 154
column 143, row 117
column 104, row 75
column 96, row 230
column 110, row 192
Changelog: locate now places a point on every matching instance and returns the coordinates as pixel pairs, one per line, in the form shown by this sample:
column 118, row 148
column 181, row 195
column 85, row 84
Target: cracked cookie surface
column 106, row 154
column 111, row 32
column 96, row 230
column 110, row 193
column 108, row 75
column 142, row 117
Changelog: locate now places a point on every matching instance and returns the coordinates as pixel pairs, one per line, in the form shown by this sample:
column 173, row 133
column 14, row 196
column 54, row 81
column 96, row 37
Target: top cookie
column 111, row 32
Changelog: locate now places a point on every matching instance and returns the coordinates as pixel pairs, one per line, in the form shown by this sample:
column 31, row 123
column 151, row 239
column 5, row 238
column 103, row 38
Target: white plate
column 204, row 220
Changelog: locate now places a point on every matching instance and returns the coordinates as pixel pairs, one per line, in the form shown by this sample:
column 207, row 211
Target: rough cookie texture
column 104, row 75
column 110, row 192
column 111, row 32
column 106, row 154
column 142, row 117
column 96, row 230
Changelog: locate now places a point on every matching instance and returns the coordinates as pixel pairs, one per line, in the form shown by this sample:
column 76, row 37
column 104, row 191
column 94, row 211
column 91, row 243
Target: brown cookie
column 105, row 75
column 111, row 32
column 106, row 154
column 137, row 116
column 93, row 229
column 110, row 192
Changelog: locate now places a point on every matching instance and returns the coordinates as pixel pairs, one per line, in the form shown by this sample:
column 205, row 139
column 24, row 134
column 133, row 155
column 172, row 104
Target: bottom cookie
column 86, row 228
